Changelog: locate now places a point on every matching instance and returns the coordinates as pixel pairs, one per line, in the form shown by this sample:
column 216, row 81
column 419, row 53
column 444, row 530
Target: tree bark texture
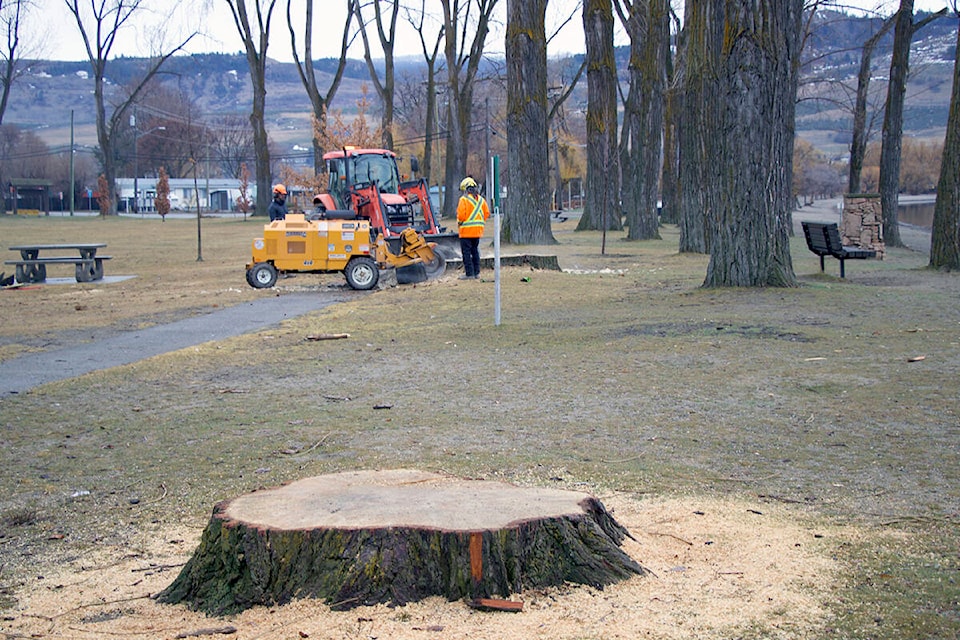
column 858, row 142
column 669, row 193
column 601, row 209
column 255, row 47
column 698, row 171
column 892, row 137
column 527, row 219
column 647, row 23
column 759, row 74
column 945, row 240
column 361, row 538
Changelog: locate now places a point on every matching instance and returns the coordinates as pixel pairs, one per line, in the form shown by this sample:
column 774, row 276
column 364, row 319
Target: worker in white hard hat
column 278, row 206
column 472, row 213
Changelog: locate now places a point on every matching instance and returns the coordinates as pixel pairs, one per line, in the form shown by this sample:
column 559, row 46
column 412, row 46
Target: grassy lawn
column 836, row 401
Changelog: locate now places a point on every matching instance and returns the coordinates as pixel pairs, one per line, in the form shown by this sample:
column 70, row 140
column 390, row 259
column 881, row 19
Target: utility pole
column 486, row 140
column 72, row 153
column 136, row 163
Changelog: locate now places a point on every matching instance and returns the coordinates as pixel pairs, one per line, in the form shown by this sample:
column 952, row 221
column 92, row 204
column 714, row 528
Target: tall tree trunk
column 255, row 46
column 858, row 142
column 945, row 241
column 601, row 208
column 415, row 18
column 387, row 34
column 669, row 212
column 308, row 77
column 647, row 23
column 10, row 55
column 463, row 64
column 527, row 219
column 892, row 138
column 697, row 169
column 759, row 73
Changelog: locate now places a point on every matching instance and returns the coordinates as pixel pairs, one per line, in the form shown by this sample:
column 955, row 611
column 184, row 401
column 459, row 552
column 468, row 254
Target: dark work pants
column 470, row 249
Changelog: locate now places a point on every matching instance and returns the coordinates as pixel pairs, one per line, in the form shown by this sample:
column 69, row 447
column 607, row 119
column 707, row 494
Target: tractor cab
column 358, row 169
column 368, row 183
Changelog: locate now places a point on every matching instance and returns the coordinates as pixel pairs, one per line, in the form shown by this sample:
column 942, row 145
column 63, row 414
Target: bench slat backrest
column 822, row 238
column 832, row 234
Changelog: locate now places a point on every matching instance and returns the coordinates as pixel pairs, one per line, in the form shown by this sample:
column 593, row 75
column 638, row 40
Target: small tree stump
column 368, row 537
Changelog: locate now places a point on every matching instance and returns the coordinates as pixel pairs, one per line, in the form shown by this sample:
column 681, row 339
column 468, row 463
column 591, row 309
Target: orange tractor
column 368, row 183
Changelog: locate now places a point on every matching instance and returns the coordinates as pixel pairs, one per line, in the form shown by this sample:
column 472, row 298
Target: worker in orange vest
column 472, row 213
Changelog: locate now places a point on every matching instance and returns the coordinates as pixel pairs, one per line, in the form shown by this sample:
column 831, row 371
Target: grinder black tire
column 262, row 275
column 362, row 273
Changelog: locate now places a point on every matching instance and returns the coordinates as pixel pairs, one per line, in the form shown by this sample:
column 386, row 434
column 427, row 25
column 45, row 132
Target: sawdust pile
column 719, row 567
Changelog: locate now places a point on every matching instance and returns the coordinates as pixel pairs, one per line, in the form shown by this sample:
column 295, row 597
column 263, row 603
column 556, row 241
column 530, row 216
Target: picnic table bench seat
column 31, row 267
column 823, row 239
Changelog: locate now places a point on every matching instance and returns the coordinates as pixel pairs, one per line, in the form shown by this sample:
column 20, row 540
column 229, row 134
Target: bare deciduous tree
column 892, row 136
column 858, row 142
column 463, row 55
column 431, row 57
column 12, row 17
column 319, row 103
column 647, row 23
column 387, row 35
column 99, row 25
column 527, row 219
column 232, row 144
column 601, row 209
column 758, row 66
column 697, row 183
column 255, row 43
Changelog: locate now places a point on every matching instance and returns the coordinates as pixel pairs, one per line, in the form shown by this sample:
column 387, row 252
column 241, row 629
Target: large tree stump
column 371, row 537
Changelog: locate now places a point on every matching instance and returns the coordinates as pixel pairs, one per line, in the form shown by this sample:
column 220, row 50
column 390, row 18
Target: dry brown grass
column 624, row 378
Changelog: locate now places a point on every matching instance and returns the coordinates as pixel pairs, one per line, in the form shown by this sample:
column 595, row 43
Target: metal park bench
column 823, row 239
column 31, row 267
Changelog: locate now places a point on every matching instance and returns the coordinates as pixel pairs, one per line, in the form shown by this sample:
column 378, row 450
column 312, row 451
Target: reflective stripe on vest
column 475, row 219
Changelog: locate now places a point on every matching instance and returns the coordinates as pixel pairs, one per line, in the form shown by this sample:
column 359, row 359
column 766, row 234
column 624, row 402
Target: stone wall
column 861, row 223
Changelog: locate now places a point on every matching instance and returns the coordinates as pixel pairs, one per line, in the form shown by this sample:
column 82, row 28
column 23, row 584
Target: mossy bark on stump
column 361, row 538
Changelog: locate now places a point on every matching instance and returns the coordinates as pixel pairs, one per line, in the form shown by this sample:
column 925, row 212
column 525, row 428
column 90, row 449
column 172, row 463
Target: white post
column 494, row 180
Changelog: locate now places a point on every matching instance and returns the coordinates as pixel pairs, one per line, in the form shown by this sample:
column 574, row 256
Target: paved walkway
column 26, row 372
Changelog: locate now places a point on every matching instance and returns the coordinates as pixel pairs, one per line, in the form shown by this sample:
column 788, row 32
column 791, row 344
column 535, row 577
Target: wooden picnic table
column 32, row 267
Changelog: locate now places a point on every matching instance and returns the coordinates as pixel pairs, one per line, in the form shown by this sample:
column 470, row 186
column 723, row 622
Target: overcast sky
column 218, row 34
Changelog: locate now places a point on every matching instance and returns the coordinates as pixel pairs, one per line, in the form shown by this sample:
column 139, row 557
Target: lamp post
column 136, row 157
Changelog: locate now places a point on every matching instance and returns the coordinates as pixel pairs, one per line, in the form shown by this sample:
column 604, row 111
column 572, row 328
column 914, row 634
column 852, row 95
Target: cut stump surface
column 368, row 537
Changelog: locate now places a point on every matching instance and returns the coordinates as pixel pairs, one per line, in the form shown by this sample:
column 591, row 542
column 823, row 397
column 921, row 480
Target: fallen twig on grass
column 207, row 632
column 163, row 495
column 670, row 535
column 160, row 567
column 319, row 442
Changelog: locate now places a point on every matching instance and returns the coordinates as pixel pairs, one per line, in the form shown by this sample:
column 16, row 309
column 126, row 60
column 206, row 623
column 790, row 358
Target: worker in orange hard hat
column 472, row 212
column 278, row 207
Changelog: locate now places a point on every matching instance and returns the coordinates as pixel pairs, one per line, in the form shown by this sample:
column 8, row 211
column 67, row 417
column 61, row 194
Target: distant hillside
column 218, row 83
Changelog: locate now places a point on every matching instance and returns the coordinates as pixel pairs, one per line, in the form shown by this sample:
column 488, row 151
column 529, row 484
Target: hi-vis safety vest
column 471, row 216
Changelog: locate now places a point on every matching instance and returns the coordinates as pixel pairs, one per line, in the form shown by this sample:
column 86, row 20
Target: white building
column 215, row 194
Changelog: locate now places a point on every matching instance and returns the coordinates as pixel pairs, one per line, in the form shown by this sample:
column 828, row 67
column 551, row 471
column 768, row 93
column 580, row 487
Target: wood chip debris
column 916, row 358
